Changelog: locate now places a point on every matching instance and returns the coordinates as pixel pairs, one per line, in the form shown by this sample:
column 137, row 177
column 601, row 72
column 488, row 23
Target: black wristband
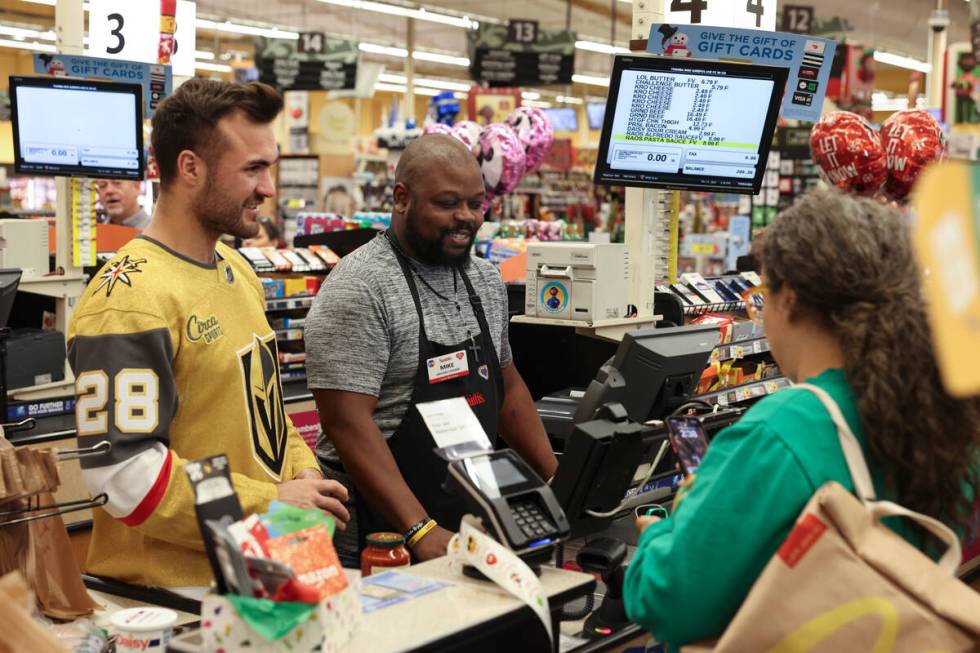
column 416, row 528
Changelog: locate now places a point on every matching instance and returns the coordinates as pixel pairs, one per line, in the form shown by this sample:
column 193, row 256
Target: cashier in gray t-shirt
column 409, row 318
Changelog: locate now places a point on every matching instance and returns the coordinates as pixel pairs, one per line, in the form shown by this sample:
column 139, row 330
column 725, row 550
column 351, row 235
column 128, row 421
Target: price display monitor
column 689, row 125
column 77, row 128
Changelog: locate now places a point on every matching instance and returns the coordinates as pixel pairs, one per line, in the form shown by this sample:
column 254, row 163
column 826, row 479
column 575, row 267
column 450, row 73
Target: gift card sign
column 809, row 59
column 947, row 243
column 130, row 29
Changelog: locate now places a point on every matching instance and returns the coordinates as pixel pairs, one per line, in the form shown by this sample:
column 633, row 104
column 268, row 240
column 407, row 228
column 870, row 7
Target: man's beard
column 222, row 214
column 431, row 251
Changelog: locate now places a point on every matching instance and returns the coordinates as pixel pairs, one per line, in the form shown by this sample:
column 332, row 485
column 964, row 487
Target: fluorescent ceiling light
column 215, row 67
column 418, row 55
column 374, row 48
column 568, row 100
column 23, row 33
column 603, row 48
column 251, row 30
column 594, row 80
column 52, row 3
column 445, row 85
column 530, row 96
column 436, row 57
column 407, row 12
column 399, row 88
column 537, row 103
column 902, row 62
column 27, row 45
column 204, row 54
column 882, row 102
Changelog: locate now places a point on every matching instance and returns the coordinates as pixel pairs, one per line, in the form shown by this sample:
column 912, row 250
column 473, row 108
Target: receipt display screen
column 77, row 128
column 683, row 124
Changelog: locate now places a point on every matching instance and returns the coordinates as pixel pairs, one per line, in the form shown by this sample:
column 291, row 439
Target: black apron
column 411, row 443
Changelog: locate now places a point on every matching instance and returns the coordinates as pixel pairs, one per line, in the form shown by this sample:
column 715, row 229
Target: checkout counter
column 614, row 459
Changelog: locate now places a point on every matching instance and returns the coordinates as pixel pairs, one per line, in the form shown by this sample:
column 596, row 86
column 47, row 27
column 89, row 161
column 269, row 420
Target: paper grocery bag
column 843, row 581
column 41, row 551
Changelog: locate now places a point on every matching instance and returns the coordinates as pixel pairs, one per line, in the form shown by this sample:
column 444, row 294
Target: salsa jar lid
column 385, row 540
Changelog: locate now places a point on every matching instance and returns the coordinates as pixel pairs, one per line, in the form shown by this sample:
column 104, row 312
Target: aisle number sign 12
column 947, row 244
column 130, row 29
column 745, row 14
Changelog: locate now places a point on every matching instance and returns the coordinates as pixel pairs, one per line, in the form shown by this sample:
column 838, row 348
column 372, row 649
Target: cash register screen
column 77, row 128
column 493, row 475
column 683, row 124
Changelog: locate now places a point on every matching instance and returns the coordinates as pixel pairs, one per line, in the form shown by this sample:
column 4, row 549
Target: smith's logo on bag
column 806, row 533
column 263, row 398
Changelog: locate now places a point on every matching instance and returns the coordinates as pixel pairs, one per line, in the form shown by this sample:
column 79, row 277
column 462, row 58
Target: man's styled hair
column 187, row 120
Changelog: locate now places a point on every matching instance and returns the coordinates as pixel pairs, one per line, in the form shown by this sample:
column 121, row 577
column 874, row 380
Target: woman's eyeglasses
column 755, row 301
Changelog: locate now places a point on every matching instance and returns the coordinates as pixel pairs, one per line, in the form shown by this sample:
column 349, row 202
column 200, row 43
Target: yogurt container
column 143, row 630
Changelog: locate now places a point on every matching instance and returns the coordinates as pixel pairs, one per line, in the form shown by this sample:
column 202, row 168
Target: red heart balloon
column 912, row 140
column 849, row 153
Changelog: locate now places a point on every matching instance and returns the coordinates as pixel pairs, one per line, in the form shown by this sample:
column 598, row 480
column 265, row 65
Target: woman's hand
column 641, row 523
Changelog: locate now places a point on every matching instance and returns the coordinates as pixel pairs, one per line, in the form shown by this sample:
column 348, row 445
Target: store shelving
column 744, row 392
column 739, row 350
column 289, row 335
column 289, row 303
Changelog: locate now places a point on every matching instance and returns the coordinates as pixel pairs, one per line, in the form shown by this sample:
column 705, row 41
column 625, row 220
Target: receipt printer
column 587, row 282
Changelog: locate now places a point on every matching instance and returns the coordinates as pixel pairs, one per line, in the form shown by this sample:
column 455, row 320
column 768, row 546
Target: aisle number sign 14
column 745, row 14
column 947, row 244
column 130, row 29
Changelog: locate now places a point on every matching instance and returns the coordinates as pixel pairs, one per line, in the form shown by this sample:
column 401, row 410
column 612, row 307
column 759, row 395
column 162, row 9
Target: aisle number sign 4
column 745, row 14
column 130, row 29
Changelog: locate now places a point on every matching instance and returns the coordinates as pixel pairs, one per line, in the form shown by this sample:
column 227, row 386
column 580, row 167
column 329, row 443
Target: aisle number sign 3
column 130, row 29
column 947, row 243
column 745, row 14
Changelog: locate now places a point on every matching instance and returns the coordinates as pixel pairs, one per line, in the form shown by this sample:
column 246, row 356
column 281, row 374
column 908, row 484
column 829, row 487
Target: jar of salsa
column 384, row 551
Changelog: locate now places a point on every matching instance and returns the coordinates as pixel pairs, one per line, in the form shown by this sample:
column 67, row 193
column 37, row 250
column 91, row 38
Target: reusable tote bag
column 844, row 582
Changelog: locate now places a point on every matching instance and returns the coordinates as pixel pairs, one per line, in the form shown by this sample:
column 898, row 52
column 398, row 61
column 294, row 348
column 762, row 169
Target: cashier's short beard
column 222, row 214
column 431, row 251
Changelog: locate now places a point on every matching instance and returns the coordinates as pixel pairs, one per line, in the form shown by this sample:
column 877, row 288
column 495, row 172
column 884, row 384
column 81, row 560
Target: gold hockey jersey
column 174, row 361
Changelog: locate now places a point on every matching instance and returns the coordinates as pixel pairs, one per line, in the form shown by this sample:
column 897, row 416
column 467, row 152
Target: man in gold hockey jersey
column 173, row 356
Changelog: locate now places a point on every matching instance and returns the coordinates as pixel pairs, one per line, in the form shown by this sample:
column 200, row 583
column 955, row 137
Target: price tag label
column 746, row 14
column 130, row 29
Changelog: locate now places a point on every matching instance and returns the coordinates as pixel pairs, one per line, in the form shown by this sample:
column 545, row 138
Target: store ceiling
column 899, row 26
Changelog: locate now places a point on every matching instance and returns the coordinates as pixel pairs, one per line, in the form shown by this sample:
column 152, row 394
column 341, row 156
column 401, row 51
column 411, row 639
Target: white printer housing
column 586, row 282
column 24, row 245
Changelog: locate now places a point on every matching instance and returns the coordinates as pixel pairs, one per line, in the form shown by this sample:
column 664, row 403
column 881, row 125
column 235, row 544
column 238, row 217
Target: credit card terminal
column 517, row 507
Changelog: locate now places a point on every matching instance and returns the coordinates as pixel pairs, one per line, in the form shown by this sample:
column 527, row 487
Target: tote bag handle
column 864, row 487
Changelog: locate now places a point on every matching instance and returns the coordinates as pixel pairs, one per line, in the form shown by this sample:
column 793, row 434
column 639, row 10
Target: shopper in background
column 120, row 199
column 844, row 311
column 339, row 200
column 178, row 319
column 372, row 337
column 267, row 236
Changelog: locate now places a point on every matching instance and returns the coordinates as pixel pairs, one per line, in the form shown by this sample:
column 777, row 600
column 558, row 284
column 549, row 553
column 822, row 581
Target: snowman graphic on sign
column 674, row 42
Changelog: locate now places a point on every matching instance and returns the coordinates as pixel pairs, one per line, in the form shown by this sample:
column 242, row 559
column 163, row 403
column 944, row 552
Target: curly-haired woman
column 843, row 311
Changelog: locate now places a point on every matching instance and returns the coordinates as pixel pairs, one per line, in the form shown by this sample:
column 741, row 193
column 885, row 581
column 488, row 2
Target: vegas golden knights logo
column 263, row 396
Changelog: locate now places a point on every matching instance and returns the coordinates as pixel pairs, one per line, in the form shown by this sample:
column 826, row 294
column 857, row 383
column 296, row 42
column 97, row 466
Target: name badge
column 450, row 366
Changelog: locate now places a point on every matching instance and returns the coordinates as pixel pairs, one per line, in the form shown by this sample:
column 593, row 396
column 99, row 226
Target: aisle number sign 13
column 745, row 14
column 130, row 29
